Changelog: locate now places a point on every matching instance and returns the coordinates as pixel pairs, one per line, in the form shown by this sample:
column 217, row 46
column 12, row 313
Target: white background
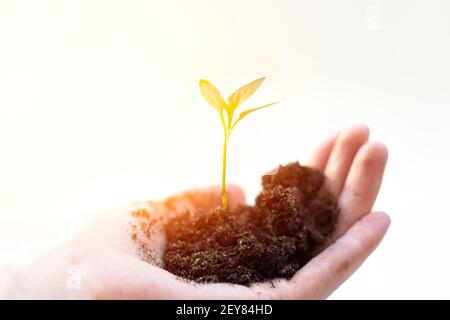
column 99, row 106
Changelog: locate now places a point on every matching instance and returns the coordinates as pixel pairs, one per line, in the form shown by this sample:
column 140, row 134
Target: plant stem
column 226, row 134
column 224, row 172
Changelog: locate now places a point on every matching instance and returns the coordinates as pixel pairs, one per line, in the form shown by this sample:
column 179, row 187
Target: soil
column 292, row 218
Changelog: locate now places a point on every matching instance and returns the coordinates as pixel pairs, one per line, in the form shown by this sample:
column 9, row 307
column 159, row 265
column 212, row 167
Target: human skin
column 100, row 261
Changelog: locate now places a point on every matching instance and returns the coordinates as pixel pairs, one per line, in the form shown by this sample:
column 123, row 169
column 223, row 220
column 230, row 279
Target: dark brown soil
column 292, row 218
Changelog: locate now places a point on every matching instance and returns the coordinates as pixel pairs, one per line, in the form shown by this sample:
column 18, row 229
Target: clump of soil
column 292, row 218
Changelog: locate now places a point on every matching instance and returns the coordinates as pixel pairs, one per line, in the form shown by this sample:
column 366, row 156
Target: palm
column 354, row 170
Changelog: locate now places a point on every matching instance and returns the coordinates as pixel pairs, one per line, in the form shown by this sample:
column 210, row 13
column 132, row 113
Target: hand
column 101, row 261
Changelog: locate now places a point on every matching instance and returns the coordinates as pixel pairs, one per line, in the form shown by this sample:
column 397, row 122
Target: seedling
column 213, row 96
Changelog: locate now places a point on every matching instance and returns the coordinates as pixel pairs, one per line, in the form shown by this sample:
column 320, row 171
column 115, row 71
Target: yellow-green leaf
column 243, row 93
column 212, row 95
column 246, row 112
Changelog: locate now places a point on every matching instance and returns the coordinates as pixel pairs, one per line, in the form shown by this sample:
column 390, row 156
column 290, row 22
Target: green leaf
column 243, row 93
column 246, row 112
column 212, row 95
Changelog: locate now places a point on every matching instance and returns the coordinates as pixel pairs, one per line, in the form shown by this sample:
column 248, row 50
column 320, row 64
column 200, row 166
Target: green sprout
column 214, row 98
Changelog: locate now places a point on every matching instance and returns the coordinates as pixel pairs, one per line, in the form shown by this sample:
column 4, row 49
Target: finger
column 341, row 157
column 141, row 280
column 320, row 157
column 362, row 185
column 326, row 272
column 205, row 199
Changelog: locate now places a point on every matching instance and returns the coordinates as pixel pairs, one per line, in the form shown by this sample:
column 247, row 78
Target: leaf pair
column 213, row 96
column 215, row 99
